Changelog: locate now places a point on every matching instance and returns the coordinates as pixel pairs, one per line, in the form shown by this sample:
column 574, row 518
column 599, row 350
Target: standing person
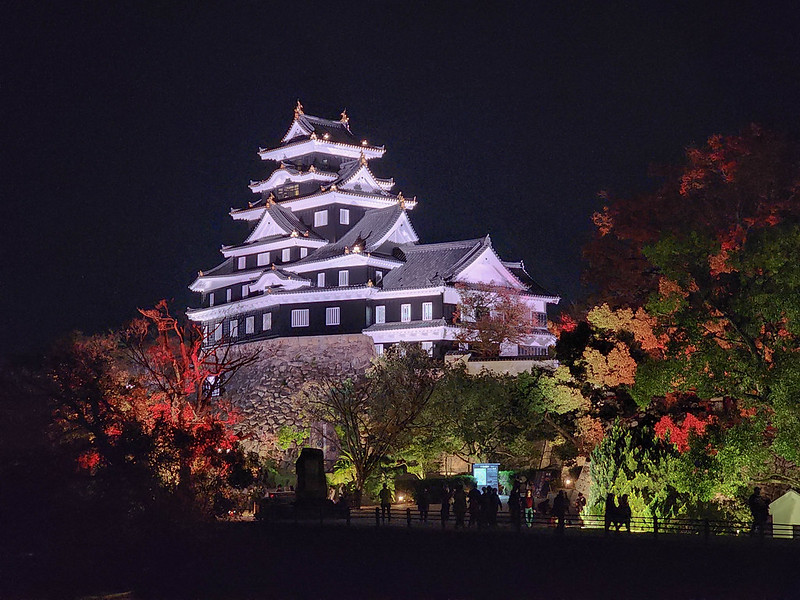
column 459, row 506
column 624, row 513
column 759, row 509
column 445, row 510
column 545, row 490
column 580, row 503
column 610, row 516
column 527, row 504
column 474, row 502
column 386, row 503
column 513, row 504
column 423, row 504
column 494, row 505
column 560, row 507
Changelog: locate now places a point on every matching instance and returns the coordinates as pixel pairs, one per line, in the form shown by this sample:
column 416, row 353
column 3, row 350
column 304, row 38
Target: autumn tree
column 490, row 316
column 376, row 414
column 709, row 262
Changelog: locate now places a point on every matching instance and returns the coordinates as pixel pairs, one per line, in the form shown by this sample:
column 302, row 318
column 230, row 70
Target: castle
column 331, row 251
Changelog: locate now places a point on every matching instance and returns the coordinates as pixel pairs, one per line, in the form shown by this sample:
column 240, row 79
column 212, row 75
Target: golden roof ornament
column 270, row 200
column 363, row 158
column 273, row 266
column 312, row 169
column 313, row 135
column 305, row 233
column 369, row 283
column 333, row 187
column 199, row 273
column 346, row 250
column 298, row 110
column 294, row 233
column 344, row 119
column 401, row 200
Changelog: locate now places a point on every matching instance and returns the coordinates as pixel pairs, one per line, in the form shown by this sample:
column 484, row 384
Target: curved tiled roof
column 429, row 265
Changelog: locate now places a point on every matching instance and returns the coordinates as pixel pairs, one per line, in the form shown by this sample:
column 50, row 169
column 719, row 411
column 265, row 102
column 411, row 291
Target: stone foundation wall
column 268, row 393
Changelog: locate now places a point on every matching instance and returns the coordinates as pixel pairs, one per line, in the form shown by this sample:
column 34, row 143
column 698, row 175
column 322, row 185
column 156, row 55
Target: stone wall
column 268, row 393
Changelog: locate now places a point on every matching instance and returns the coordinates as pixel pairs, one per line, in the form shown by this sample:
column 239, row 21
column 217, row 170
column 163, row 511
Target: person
column 459, row 506
column 759, row 510
column 474, row 502
column 610, row 516
column 560, row 507
column 513, row 504
column 386, row 503
column 494, row 505
column 624, row 513
column 423, row 503
column 445, row 510
column 544, row 507
column 527, row 504
column 580, row 503
column 545, row 491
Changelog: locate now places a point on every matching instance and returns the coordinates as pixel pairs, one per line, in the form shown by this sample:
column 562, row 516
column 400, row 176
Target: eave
column 309, row 146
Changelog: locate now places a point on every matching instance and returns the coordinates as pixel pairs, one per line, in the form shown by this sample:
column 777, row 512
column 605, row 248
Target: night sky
column 130, row 129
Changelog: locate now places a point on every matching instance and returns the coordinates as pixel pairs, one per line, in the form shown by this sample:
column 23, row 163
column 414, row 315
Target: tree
column 490, row 316
column 709, row 262
column 377, row 414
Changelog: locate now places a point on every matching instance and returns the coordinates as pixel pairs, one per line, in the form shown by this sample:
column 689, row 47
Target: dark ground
column 251, row 560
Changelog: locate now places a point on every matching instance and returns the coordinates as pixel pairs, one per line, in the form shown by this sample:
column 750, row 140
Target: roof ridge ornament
column 298, row 110
column 344, row 118
column 270, row 202
column 401, row 200
column 363, row 159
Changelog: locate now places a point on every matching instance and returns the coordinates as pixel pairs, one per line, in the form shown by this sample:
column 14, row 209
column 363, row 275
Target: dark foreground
column 250, row 560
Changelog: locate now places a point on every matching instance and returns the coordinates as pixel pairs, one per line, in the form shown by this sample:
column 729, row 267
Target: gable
column 362, row 181
column 402, row 232
column 296, row 130
column 266, row 227
column 487, row 268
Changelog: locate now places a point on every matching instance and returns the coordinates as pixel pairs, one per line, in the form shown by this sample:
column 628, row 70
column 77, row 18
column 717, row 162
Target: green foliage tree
column 377, row 414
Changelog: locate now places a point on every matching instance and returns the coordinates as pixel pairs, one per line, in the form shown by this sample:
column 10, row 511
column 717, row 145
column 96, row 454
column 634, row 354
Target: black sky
column 130, row 129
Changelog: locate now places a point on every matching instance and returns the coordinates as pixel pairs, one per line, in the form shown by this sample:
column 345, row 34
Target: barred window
column 300, row 317
column 332, row 315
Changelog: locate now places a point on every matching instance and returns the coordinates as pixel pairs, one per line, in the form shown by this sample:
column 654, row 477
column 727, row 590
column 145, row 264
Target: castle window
column 300, row 317
column 288, row 191
column 228, row 295
column 263, row 259
column 266, row 321
column 380, row 314
column 250, row 325
column 320, row 279
column 427, row 311
column 217, row 332
column 344, row 278
column 245, row 290
column 379, row 349
column 303, row 252
column 211, row 299
column 241, row 262
column 233, row 327
column 332, row 315
column 405, row 313
column 320, row 218
column 378, row 276
column 286, row 254
column 344, row 216
column 428, row 347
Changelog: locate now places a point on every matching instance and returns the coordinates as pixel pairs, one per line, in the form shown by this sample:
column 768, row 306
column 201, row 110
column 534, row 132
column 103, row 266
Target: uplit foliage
column 379, row 413
column 699, row 281
column 135, row 411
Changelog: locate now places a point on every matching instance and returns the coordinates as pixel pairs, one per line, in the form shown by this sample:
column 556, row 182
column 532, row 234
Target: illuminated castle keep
column 332, row 250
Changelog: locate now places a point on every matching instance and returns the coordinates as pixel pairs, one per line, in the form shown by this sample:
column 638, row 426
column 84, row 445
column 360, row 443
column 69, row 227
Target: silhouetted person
column 545, row 489
column 544, row 507
column 514, row 504
column 624, row 513
column 560, row 507
column 459, row 506
column 610, row 517
column 444, row 512
column 494, row 504
column 527, row 505
column 759, row 509
column 474, row 506
column 423, row 504
column 580, row 503
column 386, row 502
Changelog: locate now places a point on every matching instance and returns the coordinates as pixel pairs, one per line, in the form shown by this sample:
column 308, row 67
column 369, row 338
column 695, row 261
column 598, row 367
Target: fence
column 412, row 518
